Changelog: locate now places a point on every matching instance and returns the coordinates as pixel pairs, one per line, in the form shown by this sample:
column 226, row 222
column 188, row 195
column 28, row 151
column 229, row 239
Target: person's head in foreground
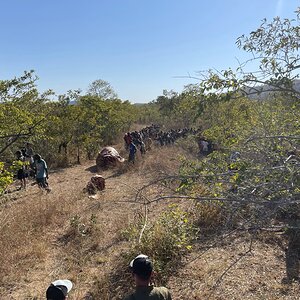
column 142, row 269
column 59, row 289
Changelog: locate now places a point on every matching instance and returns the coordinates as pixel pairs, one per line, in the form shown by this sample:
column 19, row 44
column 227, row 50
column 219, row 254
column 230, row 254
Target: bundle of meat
column 97, row 183
column 107, row 157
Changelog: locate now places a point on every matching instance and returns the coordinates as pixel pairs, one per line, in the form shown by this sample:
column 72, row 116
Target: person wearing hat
column 142, row 270
column 59, row 289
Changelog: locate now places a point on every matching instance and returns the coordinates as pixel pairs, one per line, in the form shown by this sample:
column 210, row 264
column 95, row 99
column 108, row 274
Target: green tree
column 23, row 110
column 167, row 103
column 23, row 115
column 259, row 188
column 186, row 108
column 102, row 89
column 274, row 46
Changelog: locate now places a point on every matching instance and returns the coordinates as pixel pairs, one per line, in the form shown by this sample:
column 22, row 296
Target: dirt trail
column 56, row 241
column 110, row 211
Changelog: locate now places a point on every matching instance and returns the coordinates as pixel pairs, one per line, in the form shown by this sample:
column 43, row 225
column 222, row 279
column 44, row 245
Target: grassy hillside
column 90, row 240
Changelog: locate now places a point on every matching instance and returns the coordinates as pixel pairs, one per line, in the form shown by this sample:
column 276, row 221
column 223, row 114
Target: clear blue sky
column 139, row 46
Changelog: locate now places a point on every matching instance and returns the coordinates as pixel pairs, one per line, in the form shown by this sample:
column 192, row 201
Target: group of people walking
column 141, row 140
column 169, row 137
column 152, row 135
column 31, row 164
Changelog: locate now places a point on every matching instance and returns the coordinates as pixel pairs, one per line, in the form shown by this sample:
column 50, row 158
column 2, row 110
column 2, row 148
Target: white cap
column 139, row 256
column 64, row 282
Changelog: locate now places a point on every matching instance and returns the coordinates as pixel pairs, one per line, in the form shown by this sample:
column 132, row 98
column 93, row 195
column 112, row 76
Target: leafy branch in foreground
column 259, row 189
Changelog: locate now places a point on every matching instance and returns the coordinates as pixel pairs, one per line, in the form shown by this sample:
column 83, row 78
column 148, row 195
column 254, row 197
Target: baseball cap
column 141, row 266
column 59, row 289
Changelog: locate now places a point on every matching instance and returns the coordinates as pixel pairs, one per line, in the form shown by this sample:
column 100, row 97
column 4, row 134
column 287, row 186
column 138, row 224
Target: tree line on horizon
column 74, row 126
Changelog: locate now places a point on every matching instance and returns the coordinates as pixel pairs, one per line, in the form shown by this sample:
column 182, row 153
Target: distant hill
column 264, row 92
column 139, row 104
column 74, row 102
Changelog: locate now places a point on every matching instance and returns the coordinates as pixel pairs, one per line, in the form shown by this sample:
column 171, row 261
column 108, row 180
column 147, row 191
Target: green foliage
column 167, row 102
column 228, row 123
column 17, row 165
column 23, row 110
column 103, row 121
column 148, row 113
column 102, row 89
column 6, row 178
column 189, row 143
column 179, row 110
column 59, row 130
column 273, row 41
column 164, row 240
column 274, row 46
column 262, row 183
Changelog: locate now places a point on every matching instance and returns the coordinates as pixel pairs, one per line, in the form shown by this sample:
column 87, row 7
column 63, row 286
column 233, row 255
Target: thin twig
column 145, row 223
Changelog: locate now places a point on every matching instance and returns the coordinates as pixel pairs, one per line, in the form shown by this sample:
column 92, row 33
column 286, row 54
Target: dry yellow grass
column 66, row 234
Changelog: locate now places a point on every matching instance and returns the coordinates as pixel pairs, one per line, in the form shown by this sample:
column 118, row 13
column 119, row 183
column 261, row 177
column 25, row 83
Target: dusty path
column 59, row 245
column 66, row 234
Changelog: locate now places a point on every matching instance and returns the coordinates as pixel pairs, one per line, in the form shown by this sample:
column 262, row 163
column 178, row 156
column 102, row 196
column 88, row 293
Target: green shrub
column 6, row 178
column 165, row 240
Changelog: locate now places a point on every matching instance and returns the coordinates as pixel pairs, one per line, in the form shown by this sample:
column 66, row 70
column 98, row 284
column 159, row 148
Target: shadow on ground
column 92, row 169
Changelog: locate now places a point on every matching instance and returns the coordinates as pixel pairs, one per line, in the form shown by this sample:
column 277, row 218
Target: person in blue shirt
column 41, row 174
column 132, row 151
